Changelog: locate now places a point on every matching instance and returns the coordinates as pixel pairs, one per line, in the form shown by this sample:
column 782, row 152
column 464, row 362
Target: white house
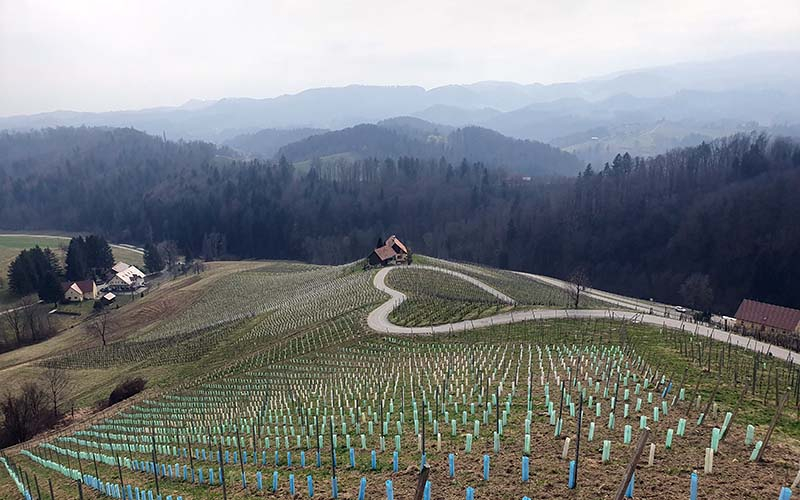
column 126, row 277
column 78, row 291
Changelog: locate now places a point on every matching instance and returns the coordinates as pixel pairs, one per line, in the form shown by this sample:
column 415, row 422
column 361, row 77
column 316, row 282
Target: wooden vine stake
column 626, row 479
column 772, row 425
column 735, row 412
column 421, row 480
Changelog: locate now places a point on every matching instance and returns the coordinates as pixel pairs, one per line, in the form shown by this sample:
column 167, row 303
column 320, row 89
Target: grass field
column 274, row 359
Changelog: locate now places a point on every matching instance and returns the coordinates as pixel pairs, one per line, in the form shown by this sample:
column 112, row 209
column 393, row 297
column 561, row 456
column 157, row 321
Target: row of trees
column 726, row 210
column 24, row 324
column 88, row 258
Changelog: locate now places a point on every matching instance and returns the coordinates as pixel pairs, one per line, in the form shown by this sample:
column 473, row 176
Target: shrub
column 126, row 389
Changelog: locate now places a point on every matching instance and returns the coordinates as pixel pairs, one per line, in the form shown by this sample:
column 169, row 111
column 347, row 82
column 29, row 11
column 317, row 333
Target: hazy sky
column 103, row 55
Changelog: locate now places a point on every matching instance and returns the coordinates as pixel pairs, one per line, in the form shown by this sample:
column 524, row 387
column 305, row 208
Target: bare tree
column 101, row 327
column 198, row 267
column 169, row 252
column 57, row 382
column 578, row 282
column 29, row 310
column 14, row 320
column 696, row 292
column 25, row 414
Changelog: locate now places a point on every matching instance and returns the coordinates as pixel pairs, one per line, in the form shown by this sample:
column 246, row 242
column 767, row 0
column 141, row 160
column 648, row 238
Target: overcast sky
column 105, row 55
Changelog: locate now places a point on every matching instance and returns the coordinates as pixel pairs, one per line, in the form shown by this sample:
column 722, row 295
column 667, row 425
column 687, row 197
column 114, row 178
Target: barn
column 758, row 317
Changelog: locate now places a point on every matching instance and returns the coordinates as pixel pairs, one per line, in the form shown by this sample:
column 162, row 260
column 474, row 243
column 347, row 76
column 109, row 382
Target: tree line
column 710, row 224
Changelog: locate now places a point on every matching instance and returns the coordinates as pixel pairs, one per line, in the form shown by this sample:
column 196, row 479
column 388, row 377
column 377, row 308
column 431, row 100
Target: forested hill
column 393, row 140
column 728, row 209
column 266, row 143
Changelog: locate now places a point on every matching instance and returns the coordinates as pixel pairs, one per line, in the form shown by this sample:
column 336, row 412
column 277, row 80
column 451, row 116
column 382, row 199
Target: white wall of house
column 72, row 295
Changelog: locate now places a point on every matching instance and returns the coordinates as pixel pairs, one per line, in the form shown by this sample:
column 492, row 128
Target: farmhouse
column 393, row 252
column 125, row 277
column 758, row 317
column 78, row 291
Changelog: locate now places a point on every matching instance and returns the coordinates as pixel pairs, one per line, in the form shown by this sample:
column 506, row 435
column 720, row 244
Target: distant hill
column 419, row 139
column 761, row 90
column 415, row 127
column 265, row 143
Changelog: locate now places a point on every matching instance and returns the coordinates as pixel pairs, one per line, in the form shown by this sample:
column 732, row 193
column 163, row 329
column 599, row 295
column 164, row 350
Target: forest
column 724, row 211
column 389, row 139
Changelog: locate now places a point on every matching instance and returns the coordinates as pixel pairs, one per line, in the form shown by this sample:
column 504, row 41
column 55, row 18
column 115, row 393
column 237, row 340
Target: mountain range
column 644, row 111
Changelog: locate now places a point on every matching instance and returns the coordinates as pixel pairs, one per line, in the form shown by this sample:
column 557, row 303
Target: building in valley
column 78, row 291
column 125, row 277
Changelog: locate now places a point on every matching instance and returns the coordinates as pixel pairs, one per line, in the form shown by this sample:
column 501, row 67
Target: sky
column 108, row 55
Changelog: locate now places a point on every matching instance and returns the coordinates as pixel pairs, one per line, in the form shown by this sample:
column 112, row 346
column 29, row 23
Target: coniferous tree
column 27, row 272
column 53, row 262
column 50, row 288
column 152, row 258
column 20, row 276
column 99, row 256
column 77, row 266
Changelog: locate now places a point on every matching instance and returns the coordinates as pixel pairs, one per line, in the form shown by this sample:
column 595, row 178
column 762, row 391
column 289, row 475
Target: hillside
column 239, row 342
column 639, row 227
column 266, row 143
column 424, row 140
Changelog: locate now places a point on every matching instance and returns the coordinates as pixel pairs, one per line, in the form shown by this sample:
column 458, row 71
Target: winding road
column 378, row 319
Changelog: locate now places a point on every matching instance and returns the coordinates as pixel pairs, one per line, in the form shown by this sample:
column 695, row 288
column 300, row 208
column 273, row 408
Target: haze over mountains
column 644, row 112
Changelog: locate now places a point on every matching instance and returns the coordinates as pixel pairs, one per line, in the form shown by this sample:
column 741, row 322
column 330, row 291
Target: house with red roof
column 392, row 252
column 753, row 317
column 78, row 291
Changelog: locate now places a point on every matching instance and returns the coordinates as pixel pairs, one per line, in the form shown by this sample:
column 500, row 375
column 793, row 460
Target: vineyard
column 287, row 392
column 524, row 291
column 436, row 297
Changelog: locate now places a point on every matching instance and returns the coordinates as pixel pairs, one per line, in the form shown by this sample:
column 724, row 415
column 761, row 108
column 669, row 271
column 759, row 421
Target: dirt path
column 378, row 319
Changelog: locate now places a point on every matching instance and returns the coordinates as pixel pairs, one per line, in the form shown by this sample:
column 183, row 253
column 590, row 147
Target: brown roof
column 385, row 252
column 394, row 240
column 85, row 285
column 770, row 315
